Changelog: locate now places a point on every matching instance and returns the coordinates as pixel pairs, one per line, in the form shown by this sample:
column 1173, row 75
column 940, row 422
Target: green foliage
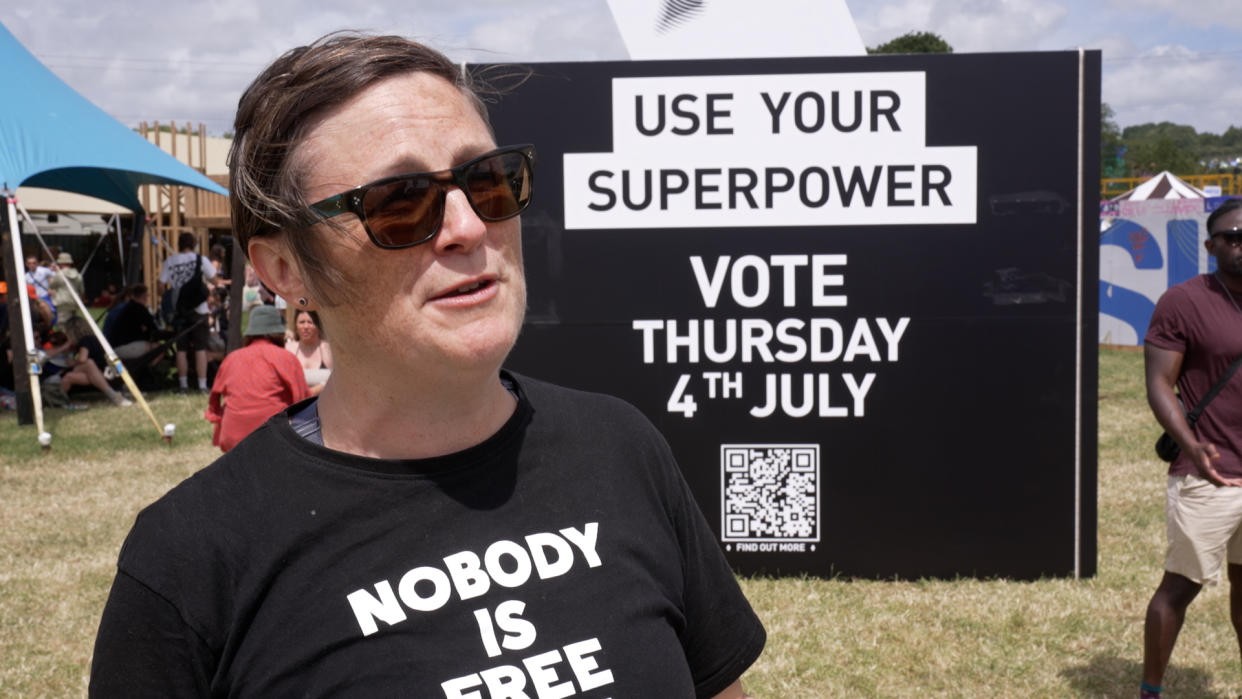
column 1160, row 153
column 1146, row 149
column 914, row 42
column 1112, row 149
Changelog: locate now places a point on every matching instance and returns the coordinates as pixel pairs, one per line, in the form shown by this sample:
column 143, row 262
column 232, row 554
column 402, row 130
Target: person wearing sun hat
column 254, row 382
column 66, row 277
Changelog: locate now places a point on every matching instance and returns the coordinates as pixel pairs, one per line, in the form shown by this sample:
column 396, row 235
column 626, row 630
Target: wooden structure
column 172, row 210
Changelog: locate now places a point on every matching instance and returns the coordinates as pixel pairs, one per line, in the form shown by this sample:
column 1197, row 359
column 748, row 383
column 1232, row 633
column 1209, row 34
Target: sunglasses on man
column 405, row 210
column 1229, row 236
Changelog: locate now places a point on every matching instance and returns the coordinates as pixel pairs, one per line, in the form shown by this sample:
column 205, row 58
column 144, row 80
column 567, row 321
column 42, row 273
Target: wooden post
column 174, row 192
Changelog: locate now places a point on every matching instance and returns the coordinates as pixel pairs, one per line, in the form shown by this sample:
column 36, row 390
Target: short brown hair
column 274, row 115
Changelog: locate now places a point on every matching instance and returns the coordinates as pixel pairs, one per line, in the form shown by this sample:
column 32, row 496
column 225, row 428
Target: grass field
column 66, row 512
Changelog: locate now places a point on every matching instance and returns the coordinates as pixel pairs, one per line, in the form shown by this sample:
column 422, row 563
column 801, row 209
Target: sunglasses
column 405, row 210
column 1230, row 236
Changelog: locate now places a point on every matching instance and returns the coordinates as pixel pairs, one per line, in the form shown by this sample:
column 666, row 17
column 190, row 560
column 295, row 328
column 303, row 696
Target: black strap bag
column 193, row 292
column 1166, row 447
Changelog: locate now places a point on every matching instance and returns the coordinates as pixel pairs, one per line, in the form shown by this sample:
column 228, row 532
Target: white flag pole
column 32, row 351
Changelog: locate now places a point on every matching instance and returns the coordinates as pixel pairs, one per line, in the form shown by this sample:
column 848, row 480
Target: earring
column 302, row 301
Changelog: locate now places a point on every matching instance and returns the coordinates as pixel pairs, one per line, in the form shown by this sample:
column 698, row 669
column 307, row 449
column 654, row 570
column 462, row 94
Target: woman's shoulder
column 231, row 478
column 570, row 406
column 205, row 509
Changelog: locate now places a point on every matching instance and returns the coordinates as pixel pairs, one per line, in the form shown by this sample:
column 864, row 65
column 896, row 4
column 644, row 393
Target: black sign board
column 857, row 295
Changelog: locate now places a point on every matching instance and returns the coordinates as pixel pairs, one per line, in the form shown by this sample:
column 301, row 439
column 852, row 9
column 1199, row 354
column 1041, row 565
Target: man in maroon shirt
column 1194, row 335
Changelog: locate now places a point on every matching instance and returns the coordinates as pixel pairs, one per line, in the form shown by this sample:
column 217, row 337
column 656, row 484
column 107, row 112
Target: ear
column 275, row 266
column 1208, row 244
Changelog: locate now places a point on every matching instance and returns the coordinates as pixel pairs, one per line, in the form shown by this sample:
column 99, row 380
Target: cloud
column 1168, row 83
column 1199, row 13
column 144, row 60
column 148, row 60
column 968, row 26
column 555, row 32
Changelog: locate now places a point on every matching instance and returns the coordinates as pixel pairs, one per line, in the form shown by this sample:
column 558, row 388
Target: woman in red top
column 254, row 382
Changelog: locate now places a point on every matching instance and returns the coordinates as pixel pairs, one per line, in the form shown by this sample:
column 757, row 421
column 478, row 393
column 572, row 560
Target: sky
column 182, row 61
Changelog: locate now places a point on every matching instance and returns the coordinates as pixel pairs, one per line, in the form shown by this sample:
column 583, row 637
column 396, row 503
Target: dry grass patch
column 67, row 512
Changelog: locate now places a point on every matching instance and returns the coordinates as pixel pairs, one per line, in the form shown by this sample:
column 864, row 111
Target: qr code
column 770, row 492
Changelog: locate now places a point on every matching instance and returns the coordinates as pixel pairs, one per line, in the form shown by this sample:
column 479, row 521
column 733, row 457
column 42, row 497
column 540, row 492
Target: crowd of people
column 65, row 346
column 153, row 335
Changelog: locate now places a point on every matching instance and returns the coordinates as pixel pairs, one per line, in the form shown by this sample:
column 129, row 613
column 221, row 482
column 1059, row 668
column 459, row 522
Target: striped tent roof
column 1166, row 185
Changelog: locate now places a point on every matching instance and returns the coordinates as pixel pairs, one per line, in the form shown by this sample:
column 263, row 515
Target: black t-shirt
column 563, row 556
column 94, row 350
column 132, row 322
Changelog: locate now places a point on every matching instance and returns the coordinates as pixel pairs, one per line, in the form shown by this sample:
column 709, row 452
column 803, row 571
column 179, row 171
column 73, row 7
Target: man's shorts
column 133, row 350
column 1204, row 526
column 196, row 339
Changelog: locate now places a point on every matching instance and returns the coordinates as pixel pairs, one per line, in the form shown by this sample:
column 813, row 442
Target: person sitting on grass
column 70, row 361
column 254, row 382
column 130, row 326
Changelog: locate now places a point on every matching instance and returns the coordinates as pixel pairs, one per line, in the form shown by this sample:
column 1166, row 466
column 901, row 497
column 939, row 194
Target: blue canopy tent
column 52, row 137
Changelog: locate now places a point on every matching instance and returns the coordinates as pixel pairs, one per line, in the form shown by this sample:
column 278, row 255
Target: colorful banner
column 1145, row 248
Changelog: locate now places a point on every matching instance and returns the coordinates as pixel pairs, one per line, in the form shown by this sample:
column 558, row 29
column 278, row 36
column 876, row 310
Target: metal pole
column 28, row 350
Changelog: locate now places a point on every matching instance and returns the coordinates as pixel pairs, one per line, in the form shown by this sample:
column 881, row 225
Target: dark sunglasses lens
column 403, row 213
column 1231, row 239
column 499, row 187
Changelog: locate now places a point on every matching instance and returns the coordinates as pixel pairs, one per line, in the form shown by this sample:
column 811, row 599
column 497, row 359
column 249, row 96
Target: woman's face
column 455, row 302
column 307, row 332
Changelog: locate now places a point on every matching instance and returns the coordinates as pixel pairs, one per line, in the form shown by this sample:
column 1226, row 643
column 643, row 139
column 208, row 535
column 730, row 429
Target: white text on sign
column 812, row 149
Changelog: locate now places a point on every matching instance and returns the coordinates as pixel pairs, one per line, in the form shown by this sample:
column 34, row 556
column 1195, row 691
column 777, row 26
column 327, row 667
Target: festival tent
column 52, row 137
column 1151, row 238
column 1166, row 185
column 58, row 202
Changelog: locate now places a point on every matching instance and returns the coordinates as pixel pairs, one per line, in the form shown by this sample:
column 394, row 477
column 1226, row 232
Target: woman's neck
column 389, row 416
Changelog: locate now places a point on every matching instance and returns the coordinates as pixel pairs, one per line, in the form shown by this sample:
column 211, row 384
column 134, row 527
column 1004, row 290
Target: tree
column 1112, row 148
column 1151, row 155
column 914, row 42
column 1179, row 135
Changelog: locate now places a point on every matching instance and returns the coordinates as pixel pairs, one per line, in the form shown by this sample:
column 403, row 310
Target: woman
column 311, row 350
column 430, row 525
column 255, row 382
column 71, row 359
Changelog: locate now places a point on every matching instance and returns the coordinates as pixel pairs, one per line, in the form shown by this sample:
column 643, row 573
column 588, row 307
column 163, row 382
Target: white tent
column 38, row 199
column 1166, row 185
